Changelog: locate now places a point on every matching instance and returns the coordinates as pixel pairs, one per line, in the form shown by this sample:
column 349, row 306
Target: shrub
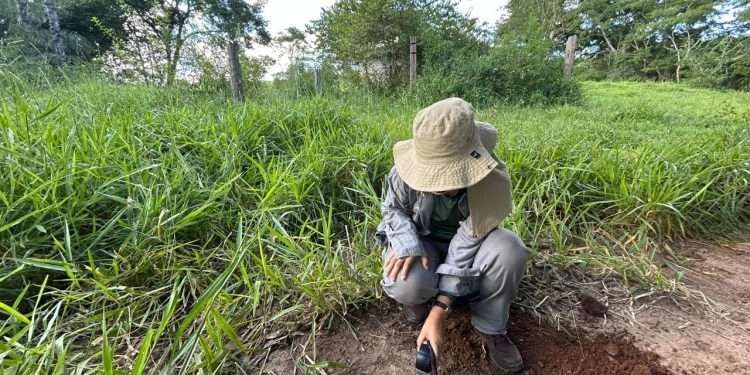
column 518, row 69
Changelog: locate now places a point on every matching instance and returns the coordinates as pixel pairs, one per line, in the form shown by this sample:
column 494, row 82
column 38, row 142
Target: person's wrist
column 438, row 313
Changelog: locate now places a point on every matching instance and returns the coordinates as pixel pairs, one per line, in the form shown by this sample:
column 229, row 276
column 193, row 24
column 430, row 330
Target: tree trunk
column 173, row 55
column 173, row 59
column 570, row 56
column 54, row 29
column 23, row 18
column 235, row 70
column 167, row 76
column 679, row 57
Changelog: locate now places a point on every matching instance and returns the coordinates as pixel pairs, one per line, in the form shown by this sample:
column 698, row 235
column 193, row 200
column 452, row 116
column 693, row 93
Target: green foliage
column 156, row 228
column 237, row 19
column 254, row 69
column 299, row 81
column 234, row 21
column 674, row 40
column 18, row 64
column 545, row 17
column 351, row 33
column 98, row 23
column 88, row 29
column 454, row 54
column 167, row 195
column 724, row 63
column 520, row 69
column 213, row 76
column 134, row 40
column 7, row 17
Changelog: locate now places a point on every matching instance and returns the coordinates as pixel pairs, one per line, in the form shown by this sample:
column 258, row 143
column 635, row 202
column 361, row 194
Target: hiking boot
column 416, row 314
column 503, row 353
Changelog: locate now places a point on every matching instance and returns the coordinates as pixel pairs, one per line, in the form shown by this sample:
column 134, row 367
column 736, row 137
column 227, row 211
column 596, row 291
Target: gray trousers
column 501, row 258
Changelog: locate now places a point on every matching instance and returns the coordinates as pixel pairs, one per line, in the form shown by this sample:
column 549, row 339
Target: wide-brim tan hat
column 446, row 152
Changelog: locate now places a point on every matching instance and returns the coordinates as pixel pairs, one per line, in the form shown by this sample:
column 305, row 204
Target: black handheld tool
column 426, row 361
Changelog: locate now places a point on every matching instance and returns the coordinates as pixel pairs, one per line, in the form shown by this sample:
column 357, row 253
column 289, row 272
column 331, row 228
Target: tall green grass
column 146, row 229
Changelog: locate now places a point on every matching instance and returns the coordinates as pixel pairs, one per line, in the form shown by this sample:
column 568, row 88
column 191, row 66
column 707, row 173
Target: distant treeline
column 364, row 45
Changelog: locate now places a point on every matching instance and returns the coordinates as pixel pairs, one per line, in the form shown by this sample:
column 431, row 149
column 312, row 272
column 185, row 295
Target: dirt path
column 708, row 338
column 654, row 337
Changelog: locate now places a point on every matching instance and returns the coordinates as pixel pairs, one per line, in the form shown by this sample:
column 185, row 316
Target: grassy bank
column 144, row 228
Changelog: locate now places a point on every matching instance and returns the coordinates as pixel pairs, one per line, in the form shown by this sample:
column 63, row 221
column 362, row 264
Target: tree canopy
column 367, row 41
column 372, row 36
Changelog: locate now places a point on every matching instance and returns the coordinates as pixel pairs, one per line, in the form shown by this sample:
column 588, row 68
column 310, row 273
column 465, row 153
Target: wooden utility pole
column 412, row 60
column 318, row 80
column 570, row 56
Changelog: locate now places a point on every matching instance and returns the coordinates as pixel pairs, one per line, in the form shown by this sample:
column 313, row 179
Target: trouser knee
column 419, row 287
column 502, row 257
column 502, row 260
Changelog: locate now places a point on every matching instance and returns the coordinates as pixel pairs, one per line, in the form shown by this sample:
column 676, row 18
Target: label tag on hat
column 474, row 154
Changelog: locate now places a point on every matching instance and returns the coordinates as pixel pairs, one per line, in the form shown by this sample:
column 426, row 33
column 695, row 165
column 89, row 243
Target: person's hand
column 395, row 267
column 432, row 330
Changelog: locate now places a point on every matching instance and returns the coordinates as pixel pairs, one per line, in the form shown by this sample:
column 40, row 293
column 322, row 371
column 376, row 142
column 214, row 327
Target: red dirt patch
column 387, row 346
column 548, row 351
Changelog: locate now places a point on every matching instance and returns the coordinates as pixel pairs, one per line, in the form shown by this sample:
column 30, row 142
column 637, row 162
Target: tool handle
column 426, row 361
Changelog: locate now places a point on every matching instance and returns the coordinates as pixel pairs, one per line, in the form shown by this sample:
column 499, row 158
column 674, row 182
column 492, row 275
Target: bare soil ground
column 712, row 337
column 384, row 345
column 648, row 336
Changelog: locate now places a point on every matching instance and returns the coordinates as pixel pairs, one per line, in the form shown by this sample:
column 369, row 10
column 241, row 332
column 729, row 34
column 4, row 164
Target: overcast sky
column 282, row 14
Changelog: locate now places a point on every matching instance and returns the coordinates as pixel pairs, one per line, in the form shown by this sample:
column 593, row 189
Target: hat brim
column 458, row 173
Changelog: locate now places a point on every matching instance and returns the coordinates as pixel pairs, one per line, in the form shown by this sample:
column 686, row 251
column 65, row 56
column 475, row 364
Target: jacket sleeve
column 458, row 277
column 400, row 229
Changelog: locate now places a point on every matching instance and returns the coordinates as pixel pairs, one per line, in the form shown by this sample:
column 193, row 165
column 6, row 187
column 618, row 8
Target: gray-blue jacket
column 406, row 218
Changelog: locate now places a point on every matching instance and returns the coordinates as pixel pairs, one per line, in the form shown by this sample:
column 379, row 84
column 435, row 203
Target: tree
column 54, row 29
column 87, row 27
column 682, row 24
column 98, row 23
column 236, row 21
column 155, row 34
column 723, row 62
column 371, row 37
column 291, row 42
column 548, row 15
column 643, row 38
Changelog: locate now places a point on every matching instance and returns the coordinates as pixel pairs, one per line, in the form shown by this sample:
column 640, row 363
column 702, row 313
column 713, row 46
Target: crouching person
column 446, row 197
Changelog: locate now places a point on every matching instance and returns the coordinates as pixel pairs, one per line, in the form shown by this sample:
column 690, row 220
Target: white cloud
column 282, row 14
column 485, row 10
